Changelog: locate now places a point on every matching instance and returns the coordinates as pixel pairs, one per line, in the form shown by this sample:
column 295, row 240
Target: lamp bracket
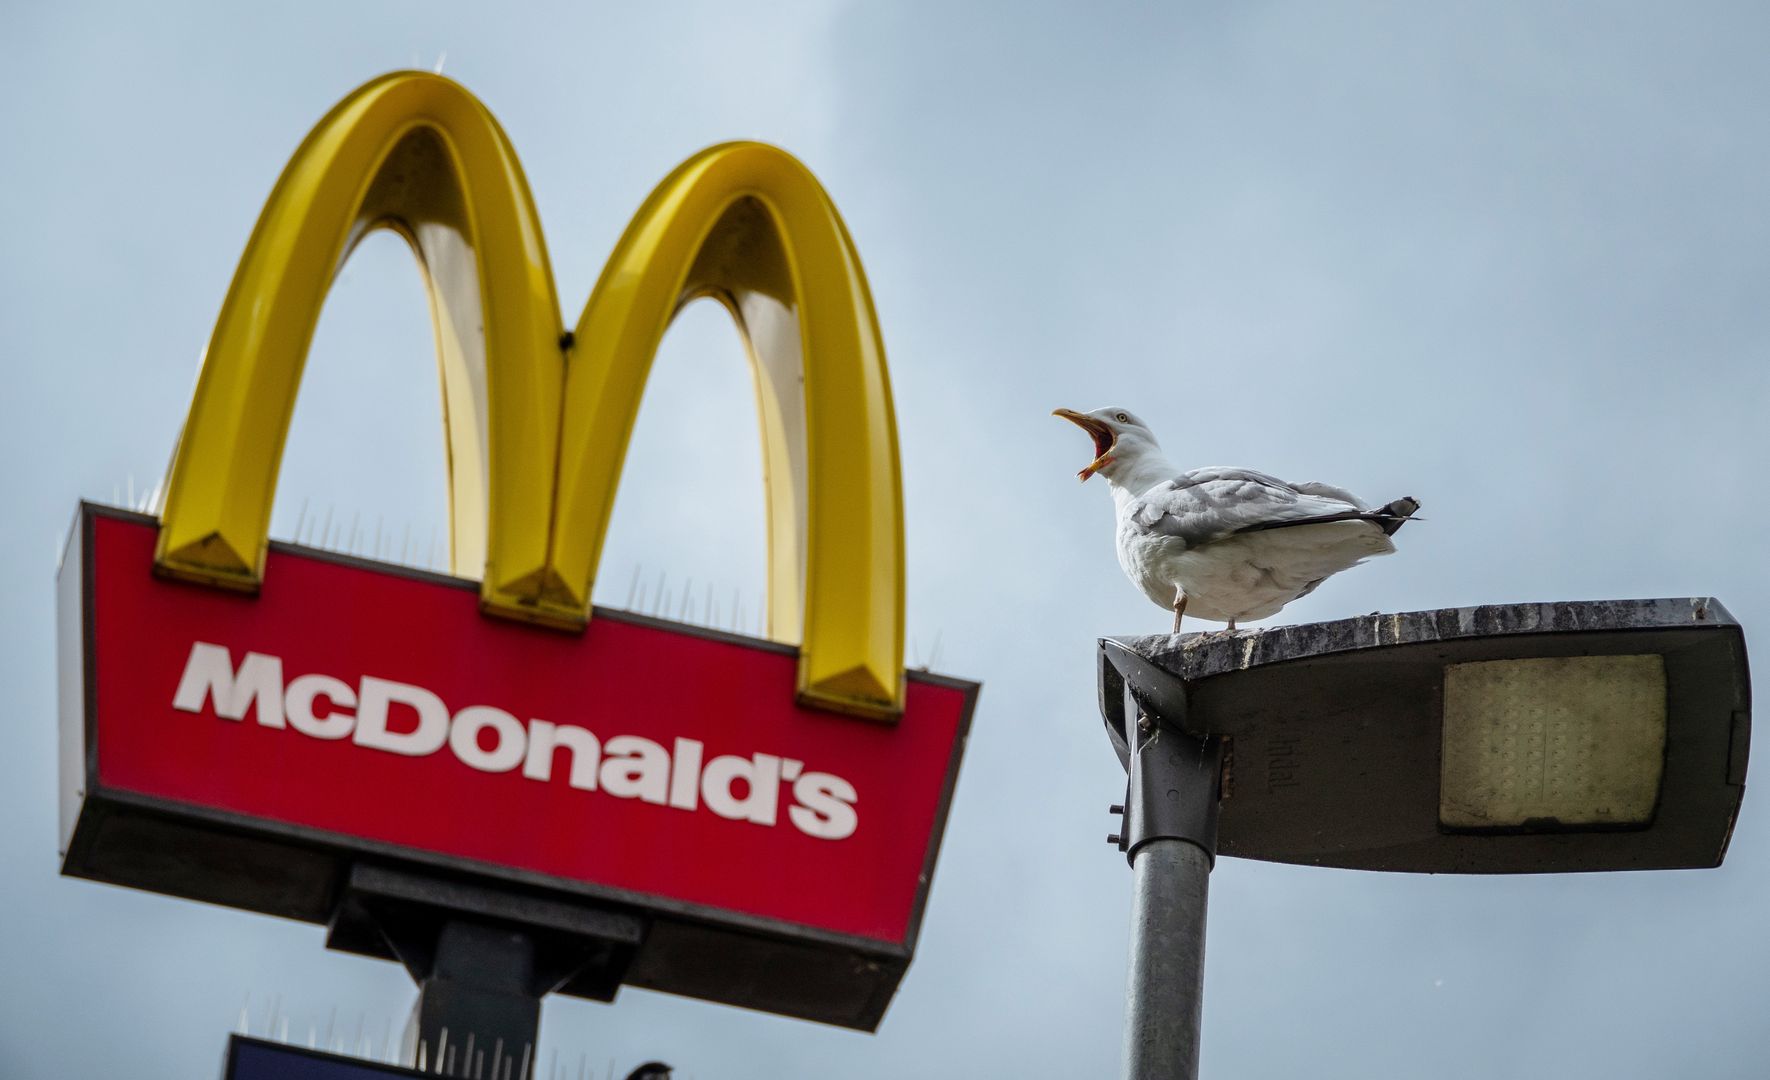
column 1173, row 778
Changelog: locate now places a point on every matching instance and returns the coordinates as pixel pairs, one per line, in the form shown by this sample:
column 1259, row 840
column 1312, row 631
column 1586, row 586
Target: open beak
column 1104, row 439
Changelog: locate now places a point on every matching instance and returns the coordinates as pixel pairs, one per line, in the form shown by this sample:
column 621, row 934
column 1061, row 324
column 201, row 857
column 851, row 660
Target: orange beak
column 1104, row 439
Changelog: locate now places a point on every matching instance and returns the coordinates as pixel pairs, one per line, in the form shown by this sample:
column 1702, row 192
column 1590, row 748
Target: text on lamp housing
column 624, row 766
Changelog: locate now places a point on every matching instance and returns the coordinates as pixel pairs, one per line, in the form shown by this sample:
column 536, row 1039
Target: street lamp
column 1534, row 738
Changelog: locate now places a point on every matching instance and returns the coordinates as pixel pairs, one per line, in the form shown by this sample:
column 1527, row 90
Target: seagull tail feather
column 1396, row 514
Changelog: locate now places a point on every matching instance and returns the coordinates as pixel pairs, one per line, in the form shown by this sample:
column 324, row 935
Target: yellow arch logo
column 537, row 420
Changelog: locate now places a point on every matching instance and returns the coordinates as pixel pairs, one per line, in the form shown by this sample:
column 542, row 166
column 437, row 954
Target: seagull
column 1224, row 543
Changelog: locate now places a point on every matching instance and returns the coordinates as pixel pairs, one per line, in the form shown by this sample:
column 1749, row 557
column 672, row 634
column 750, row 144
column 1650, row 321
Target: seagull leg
column 1231, row 629
column 1179, row 607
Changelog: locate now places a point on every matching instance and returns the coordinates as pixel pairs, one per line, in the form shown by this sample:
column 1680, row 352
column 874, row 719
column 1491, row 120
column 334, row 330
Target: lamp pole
column 1169, row 834
column 1166, row 988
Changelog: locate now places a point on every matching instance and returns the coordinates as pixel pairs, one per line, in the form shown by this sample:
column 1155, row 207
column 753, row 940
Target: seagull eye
column 1123, row 418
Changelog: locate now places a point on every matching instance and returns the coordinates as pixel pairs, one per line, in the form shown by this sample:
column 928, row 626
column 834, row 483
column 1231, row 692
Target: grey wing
column 1209, row 504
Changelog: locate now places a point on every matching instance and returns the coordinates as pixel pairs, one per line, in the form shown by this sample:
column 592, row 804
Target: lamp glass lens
column 1553, row 742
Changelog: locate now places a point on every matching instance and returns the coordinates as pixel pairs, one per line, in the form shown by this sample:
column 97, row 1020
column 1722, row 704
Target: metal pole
column 1173, row 782
column 1166, row 986
column 483, row 957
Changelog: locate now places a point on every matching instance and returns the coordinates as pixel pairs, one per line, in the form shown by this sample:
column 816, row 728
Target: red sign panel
column 636, row 762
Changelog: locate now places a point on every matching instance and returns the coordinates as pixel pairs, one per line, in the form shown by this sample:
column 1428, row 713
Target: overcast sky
column 1509, row 258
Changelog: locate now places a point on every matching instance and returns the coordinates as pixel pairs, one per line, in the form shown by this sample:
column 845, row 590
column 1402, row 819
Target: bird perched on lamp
column 1220, row 543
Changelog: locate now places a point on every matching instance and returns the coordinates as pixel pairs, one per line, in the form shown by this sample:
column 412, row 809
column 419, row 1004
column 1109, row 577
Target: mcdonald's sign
column 257, row 724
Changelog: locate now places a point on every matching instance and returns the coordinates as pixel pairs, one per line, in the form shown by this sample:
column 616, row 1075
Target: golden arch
column 537, row 423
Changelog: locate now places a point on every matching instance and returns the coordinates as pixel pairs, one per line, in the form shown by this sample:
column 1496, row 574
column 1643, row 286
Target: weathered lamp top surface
column 1202, row 655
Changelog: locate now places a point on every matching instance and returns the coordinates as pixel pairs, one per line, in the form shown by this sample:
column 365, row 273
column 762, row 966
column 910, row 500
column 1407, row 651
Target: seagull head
column 1117, row 433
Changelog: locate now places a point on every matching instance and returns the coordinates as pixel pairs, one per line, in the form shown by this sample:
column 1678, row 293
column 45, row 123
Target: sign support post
column 481, row 987
column 1170, row 837
column 482, row 956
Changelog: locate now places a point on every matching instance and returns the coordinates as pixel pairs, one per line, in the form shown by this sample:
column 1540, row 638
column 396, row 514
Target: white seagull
column 1224, row 543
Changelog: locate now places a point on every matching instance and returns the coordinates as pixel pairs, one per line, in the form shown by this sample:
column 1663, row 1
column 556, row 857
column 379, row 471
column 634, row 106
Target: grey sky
column 1508, row 258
